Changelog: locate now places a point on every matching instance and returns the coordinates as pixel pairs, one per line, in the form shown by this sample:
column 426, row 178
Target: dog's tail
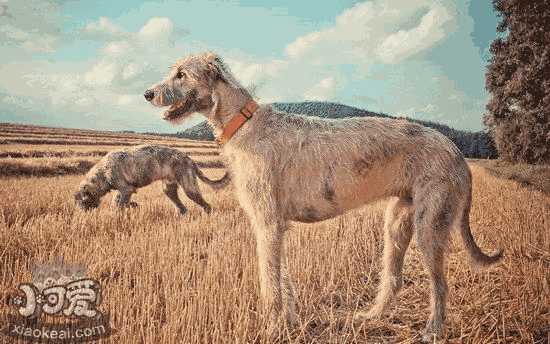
column 215, row 184
column 477, row 257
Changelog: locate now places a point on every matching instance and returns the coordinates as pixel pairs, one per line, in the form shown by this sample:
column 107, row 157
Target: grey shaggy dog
column 128, row 169
column 287, row 167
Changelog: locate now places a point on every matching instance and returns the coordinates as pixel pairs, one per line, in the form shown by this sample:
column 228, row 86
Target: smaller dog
column 128, row 169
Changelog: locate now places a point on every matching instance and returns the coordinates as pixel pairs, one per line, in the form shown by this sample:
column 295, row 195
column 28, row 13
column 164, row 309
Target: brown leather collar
column 237, row 121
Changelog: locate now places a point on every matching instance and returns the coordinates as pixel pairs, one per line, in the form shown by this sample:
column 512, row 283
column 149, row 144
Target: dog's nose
column 149, row 95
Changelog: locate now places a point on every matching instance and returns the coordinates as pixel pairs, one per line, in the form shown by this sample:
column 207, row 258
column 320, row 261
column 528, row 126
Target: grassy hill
column 472, row 144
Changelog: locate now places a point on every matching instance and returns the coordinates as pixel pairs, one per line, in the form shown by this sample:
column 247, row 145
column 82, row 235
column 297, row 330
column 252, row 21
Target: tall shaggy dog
column 129, row 169
column 288, row 167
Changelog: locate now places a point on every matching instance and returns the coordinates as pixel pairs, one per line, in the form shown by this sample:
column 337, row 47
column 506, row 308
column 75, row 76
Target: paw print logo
column 40, row 299
column 18, row 301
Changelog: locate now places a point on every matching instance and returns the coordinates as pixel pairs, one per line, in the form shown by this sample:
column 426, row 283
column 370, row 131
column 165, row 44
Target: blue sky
column 86, row 63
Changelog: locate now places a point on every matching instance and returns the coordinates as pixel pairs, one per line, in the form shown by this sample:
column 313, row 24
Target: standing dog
column 288, row 167
column 129, row 169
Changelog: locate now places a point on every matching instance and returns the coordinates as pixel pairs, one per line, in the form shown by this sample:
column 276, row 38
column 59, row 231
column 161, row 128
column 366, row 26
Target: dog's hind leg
column 188, row 183
column 433, row 218
column 170, row 189
column 398, row 229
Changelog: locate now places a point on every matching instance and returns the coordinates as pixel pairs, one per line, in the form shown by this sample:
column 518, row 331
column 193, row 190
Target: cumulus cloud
column 31, row 41
column 107, row 88
column 405, row 43
column 157, row 28
column 324, row 90
column 103, row 27
column 128, row 58
column 369, row 33
column 102, row 74
column 33, row 25
column 383, row 41
column 377, row 31
column 377, row 46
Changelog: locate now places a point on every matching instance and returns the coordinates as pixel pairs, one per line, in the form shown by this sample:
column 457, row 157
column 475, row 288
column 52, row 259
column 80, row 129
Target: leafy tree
column 518, row 78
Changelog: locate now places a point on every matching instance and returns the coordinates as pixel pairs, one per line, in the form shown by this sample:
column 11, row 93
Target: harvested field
column 193, row 279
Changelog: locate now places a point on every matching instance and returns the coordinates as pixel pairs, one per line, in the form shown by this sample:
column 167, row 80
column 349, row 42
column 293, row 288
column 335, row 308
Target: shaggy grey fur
column 130, row 169
column 287, row 167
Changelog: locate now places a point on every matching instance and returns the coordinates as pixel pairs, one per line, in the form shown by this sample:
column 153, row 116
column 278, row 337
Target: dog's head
column 86, row 199
column 189, row 86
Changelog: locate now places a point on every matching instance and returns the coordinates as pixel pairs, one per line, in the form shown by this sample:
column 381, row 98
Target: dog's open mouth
column 175, row 110
column 181, row 108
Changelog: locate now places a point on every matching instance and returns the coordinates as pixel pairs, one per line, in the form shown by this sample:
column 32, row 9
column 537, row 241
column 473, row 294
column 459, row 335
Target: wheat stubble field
column 193, row 279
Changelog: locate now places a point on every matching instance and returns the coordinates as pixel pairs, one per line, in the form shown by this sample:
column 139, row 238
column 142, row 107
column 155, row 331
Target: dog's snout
column 149, row 95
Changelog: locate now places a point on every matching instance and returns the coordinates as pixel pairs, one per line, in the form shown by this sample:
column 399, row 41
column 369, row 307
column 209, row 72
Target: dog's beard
column 181, row 108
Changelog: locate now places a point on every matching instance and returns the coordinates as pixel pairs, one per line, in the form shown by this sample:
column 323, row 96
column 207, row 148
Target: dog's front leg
column 269, row 249
column 122, row 198
column 269, row 226
column 288, row 293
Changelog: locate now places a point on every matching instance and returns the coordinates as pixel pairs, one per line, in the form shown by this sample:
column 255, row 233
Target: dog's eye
column 181, row 75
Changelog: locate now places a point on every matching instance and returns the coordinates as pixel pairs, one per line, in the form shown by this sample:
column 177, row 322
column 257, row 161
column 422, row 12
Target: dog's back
column 144, row 164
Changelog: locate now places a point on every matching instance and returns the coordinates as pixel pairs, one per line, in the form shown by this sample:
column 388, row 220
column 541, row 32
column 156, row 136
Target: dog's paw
column 292, row 319
column 375, row 313
column 432, row 332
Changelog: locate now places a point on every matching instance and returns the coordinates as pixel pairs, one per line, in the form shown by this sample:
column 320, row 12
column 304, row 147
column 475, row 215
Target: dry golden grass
column 97, row 140
column 54, row 149
column 41, row 151
column 19, row 134
column 16, row 130
column 535, row 177
column 45, row 166
column 53, row 166
column 94, row 142
column 193, row 279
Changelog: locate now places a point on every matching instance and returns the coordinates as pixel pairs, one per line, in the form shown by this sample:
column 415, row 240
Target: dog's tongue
column 175, row 106
column 172, row 110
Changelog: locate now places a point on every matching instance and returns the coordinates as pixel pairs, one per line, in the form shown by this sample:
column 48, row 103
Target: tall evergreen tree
column 518, row 78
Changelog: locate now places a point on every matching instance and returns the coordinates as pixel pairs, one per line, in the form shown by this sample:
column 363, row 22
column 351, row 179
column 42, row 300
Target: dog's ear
column 218, row 70
column 215, row 103
column 214, row 68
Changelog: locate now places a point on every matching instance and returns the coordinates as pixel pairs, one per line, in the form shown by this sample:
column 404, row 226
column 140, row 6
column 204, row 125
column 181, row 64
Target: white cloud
column 131, row 71
column 30, row 40
column 118, row 48
column 33, row 25
column 127, row 99
column 371, row 32
column 383, row 37
column 315, row 66
column 85, row 101
column 375, row 31
column 405, row 43
column 13, row 33
column 324, row 90
column 106, row 90
column 157, row 28
column 129, row 58
column 102, row 74
column 104, row 27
